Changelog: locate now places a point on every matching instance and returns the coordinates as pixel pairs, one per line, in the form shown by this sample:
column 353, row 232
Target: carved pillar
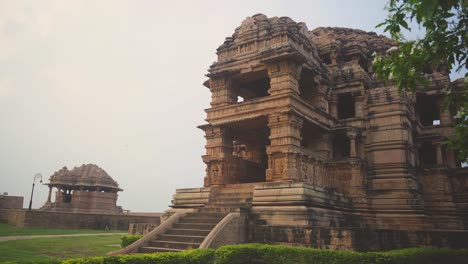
column 222, row 91
column 440, row 159
column 352, row 135
column 50, row 194
column 285, row 143
column 284, row 77
column 334, row 106
column 219, row 159
column 358, row 105
column 445, row 117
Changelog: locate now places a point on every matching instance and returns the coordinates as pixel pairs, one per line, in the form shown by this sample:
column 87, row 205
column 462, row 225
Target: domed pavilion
column 87, row 188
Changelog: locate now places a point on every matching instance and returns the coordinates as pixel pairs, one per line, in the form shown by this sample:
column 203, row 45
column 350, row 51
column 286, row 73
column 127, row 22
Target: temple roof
column 87, row 175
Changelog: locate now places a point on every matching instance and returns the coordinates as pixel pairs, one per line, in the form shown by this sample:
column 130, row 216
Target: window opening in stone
column 308, row 88
column 427, row 110
column 252, row 85
column 314, row 140
column 67, row 197
column 250, row 139
column 341, row 147
column 346, row 106
column 364, row 65
column 326, row 58
column 428, row 154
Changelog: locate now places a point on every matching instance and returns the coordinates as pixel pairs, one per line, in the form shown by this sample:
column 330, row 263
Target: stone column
column 49, row 196
column 284, row 77
column 358, row 105
column 334, row 106
column 440, row 159
column 445, row 117
column 219, row 159
column 285, row 144
column 222, row 91
column 352, row 135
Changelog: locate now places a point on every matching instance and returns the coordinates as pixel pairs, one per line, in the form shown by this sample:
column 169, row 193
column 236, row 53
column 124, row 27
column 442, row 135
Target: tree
column 445, row 43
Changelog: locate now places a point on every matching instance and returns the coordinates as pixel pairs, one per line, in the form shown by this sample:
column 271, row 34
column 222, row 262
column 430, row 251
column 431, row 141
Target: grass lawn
column 9, row 230
column 43, row 249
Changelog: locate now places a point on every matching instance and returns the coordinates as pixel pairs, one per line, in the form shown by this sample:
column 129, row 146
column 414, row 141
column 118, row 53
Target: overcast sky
column 119, row 84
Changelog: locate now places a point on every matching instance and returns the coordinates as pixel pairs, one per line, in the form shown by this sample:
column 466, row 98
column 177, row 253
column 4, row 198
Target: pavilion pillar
column 49, row 199
column 285, row 144
column 221, row 164
column 222, row 91
column 352, row 135
column 439, row 155
column 284, row 77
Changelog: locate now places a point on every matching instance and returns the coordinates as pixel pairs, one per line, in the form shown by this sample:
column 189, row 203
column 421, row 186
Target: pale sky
column 119, row 84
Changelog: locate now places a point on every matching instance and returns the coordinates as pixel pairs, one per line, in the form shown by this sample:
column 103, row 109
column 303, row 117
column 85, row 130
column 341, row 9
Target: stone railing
column 161, row 229
column 230, row 230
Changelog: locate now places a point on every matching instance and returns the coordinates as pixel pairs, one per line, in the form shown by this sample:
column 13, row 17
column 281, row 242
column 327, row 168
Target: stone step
column 157, row 249
column 219, row 215
column 188, row 232
column 200, row 220
column 220, row 209
column 199, row 226
column 181, row 238
column 173, row 244
column 229, row 205
column 234, row 195
column 230, row 200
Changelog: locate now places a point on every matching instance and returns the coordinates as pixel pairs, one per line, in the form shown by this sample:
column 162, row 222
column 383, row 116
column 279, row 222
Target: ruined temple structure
column 85, row 189
column 305, row 146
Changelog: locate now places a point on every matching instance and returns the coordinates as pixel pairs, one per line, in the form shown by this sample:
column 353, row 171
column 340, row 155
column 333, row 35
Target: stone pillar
column 334, row 106
column 358, row 106
column 222, row 91
column 445, row 117
column 284, row 77
column 440, row 159
column 219, row 159
column 285, row 144
column 352, row 135
column 49, row 196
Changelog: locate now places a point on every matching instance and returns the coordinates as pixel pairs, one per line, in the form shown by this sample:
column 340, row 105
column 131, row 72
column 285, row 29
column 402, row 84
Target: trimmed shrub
column 269, row 254
column 196, row 256
column 129, row 239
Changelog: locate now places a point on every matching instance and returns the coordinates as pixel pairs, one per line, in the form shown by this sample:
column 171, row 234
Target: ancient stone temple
column 87, row 188
column 306, row 147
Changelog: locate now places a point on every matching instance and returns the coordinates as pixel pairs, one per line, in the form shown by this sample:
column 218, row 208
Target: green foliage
column 445, row 43
column 269, row 254
column 129, row 239
column 197, row 256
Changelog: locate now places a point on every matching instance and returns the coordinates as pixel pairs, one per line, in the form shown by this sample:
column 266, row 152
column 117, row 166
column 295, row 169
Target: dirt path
column 8, row 238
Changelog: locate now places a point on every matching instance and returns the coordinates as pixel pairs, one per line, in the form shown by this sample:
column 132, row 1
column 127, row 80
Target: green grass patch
column 9, row 230
column 49, row 249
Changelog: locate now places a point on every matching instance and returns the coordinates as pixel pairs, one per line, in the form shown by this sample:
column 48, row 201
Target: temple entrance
column 250, row 138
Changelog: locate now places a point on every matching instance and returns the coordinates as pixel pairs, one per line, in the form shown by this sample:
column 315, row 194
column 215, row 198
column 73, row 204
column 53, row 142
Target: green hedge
column 196, row 256
column 268, row 254
column 129, row 239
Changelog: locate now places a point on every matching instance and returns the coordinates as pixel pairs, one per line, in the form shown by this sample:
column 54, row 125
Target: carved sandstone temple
column 85, row 189
column 306, row 147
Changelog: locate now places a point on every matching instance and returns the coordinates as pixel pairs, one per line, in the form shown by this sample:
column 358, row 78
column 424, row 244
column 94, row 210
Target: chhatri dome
column 84, row 188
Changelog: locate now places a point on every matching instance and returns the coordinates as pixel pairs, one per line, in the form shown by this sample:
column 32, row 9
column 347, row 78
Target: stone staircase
column 191, row 230
column 232, row 197
column 188, row 233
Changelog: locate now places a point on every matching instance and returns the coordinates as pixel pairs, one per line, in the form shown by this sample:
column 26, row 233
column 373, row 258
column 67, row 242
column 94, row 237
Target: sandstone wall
column 48, row 219
column 356, row 239
column 11, row 202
